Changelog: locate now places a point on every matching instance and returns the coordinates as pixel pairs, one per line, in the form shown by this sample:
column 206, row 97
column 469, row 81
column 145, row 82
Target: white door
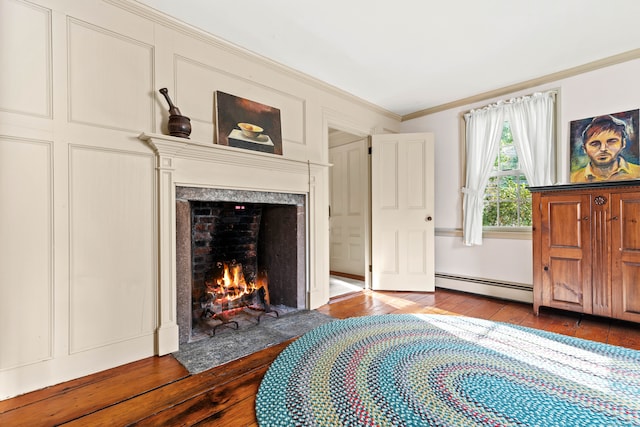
column 402, row 208
column 349, row 207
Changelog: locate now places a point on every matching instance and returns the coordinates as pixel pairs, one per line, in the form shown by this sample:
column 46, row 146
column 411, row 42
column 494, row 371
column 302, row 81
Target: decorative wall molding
column 110, row 289
column 170, row 22
column 27, row 79
column 27, row 252
column 339, row 121
column 549, row 78
column 101, row 92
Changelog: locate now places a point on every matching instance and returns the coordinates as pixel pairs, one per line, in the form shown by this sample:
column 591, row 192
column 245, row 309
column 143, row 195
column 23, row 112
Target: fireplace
column 240, row 254
column 201, row 165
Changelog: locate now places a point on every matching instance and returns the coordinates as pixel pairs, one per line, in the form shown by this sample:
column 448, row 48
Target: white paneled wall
column 111, row 206
column 26, row 256
column 25, row 59
column 79, row 214
column 110, row 78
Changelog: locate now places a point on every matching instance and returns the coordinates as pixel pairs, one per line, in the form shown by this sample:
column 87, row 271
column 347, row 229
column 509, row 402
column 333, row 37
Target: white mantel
column 189, row 163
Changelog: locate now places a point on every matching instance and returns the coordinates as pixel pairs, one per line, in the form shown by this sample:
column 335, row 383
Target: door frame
column 341, row 123
column 348, row 186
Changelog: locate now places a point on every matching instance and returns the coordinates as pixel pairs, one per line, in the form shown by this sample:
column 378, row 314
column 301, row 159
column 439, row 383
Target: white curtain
column 484, row 130
column 532, row 126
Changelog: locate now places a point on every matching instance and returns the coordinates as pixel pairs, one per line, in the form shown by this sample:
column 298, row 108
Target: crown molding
column 549, row 78
column 158, row 17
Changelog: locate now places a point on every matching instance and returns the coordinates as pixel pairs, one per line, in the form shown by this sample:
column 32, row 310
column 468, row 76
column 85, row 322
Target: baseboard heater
column 494, row 288
column 489, row 282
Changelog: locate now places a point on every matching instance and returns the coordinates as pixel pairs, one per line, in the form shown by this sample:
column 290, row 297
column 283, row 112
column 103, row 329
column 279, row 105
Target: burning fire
column 232, row 292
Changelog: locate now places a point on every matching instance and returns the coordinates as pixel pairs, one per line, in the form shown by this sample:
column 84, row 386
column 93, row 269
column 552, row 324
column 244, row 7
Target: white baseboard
column 492, row 288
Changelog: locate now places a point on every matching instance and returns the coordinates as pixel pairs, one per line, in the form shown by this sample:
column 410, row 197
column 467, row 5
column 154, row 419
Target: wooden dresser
column 586, row 248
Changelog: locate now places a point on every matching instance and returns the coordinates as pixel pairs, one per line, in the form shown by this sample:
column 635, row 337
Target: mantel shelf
column 165, row 145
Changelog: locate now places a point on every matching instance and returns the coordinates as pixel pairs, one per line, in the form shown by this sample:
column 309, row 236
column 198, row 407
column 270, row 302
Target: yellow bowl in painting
column 249, row 130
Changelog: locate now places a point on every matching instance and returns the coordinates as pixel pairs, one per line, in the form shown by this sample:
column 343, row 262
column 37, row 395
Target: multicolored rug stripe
column 440, row 370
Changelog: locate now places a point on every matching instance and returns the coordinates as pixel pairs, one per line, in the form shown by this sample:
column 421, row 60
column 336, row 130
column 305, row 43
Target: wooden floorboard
column 74, row 399
column 158, row 391
column 153, row 371
column 218, row 384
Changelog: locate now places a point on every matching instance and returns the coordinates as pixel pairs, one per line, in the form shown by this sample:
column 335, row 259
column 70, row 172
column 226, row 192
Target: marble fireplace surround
column 188, row 163
column 281, row 246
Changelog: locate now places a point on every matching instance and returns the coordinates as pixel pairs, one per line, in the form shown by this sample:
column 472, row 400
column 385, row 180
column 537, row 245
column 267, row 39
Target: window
column 531, row 120
column 507, row 200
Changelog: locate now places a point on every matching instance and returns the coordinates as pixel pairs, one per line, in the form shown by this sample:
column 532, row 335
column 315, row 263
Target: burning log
column 230, row 293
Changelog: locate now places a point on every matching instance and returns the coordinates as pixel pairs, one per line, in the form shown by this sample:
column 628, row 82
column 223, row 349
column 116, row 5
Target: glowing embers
column 228, row 294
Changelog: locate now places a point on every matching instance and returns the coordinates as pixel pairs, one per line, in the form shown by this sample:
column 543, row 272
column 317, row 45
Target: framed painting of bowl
column 247, row 124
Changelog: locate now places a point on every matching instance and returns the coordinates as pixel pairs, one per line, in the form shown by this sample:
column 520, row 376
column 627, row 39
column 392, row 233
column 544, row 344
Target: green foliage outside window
column 507, row 200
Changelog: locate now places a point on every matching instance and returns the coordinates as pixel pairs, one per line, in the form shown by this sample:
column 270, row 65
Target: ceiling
column 410, row 55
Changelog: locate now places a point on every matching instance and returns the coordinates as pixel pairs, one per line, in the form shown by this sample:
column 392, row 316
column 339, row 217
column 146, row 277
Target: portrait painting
column 605, row 148
column 247, row 124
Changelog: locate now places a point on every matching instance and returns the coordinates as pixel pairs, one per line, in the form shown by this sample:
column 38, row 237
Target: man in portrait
column 604, row 140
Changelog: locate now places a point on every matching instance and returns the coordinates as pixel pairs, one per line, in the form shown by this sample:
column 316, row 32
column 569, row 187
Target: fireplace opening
column 241, row 256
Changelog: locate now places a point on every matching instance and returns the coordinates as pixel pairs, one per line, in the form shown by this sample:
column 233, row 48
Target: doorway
column 349, row 212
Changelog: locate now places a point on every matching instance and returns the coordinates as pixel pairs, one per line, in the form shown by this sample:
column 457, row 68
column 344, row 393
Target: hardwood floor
column 158, row 391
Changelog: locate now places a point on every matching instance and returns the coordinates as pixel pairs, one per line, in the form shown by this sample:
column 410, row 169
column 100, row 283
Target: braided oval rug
column 440, row 370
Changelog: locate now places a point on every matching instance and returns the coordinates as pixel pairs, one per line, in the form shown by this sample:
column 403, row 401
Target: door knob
column 428, row 218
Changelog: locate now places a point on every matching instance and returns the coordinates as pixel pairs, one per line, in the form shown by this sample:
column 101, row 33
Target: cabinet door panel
column 625, row 249
column 631, row 290
column 566, row 252
column 629, row 218
column 564, row 223
column 566, row 291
